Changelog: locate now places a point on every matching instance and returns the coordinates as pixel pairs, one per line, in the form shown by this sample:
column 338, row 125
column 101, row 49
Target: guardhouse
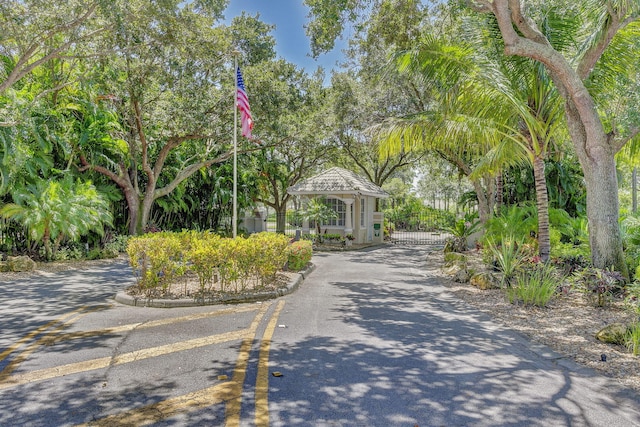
column 352, row 197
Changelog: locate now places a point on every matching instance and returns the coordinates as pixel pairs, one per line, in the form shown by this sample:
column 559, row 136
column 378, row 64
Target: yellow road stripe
column 152, row 324
column 103, row 362
column 32, row 347
column 232, row 411
column 35, row 332
column 262, row 380
column 154, row 413
column 158, row 411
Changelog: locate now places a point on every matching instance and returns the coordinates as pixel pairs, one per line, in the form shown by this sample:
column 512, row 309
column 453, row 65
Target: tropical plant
column 54, row 210
column 535, row 286
column 319, row 212
column 517, row 222
column 509, row 255
column 461, row 230
column 632, row 339
column 591, row 58
column 600, row 286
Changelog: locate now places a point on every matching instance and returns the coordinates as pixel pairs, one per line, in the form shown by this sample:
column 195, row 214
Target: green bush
column 599, row 285
column 508, row 256
column 632, row 338
column 159, row 259
column 534, row 287
column 299, row 255
column 156, row 259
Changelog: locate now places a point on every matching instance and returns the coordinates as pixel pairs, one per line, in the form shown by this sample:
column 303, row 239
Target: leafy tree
column 293, row 128
column 371, row 100
column 169, row 81
column 606, row 33
column 35, row 33
column 586, row 76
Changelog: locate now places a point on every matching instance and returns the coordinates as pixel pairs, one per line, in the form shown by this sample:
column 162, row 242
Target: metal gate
column 418, row 230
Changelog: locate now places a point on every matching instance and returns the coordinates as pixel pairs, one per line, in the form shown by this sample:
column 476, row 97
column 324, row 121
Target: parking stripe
column 11, row 366
column 143, row 325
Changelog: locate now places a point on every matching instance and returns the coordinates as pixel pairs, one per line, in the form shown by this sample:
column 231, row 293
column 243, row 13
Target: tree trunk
column 634, row 190
column 281, row 219
column 602, row 211
column 484, row 205
column 542, row 204
column 499, row 191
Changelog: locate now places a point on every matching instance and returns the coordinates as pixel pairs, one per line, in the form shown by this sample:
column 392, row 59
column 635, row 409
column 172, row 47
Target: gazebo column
column 305, row 220
column 348, row 223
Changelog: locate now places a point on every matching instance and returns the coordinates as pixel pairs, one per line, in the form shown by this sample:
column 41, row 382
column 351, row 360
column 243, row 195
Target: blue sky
column 289, row 17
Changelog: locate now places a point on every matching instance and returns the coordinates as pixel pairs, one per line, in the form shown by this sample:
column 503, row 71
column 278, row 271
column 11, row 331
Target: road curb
column 123, row 298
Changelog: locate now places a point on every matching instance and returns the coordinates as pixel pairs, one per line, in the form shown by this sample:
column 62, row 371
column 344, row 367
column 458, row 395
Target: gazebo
column 352, row 197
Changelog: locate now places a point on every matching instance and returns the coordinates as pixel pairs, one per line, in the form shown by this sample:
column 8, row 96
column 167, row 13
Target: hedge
column 238, row 264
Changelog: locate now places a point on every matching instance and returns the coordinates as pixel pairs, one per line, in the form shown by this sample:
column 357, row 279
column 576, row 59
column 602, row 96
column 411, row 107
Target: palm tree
column 319, row 212
column 510, row 104
column 54, row 210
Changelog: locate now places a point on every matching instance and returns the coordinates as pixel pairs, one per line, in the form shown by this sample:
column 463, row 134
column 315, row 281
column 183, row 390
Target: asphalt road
column 371, row 338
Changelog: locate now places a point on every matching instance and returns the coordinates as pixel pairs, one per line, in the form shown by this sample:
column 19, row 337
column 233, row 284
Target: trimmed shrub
column 159, row 259
column 299, row 255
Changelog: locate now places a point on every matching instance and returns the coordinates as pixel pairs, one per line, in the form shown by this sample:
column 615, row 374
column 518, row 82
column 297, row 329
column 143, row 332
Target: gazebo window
column 340, row 208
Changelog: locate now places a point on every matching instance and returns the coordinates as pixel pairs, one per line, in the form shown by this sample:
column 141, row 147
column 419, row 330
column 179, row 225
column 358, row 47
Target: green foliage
column 55, row 210
column 508, row 256
column 156, row 259
column 271, row 254
column 632, row 299
column 332, row 237
column 535, row 286
column 412, row 214
column 299, row 255
column 461, row 230
column 319, row 212
column 160, row 259
column 632, row 339
column 116, row 245
column 519, row 222
column 599, row 285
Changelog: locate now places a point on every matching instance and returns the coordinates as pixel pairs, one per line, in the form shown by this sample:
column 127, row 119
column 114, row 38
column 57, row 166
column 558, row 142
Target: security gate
column 424, row 229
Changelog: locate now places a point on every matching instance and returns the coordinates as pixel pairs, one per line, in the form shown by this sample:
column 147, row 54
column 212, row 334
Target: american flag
column 243, row 106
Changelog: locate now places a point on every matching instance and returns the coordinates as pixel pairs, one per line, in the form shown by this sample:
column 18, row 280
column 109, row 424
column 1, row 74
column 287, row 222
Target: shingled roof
column 338, row 181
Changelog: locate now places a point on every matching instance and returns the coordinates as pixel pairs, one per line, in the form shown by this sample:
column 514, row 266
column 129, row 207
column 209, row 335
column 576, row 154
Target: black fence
column 418, row 229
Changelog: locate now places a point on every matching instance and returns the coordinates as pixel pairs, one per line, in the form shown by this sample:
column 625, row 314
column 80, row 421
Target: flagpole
column 234, row 220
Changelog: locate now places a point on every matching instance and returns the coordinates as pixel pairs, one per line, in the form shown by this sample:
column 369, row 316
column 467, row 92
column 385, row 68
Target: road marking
column 143, row 325
column 228, row 391
column 262, row 380
column 11, row 366
column 7, row 381
column 35, row 332
column 232, row 411
column 104, row 362
column 156, row 412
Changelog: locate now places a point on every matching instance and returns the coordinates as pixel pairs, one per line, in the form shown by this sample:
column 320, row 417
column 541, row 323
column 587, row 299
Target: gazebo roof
column 337, row 181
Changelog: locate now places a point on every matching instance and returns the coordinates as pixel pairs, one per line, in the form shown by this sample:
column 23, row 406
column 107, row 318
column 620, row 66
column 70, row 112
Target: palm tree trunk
column 499, row 190
column 542, row 204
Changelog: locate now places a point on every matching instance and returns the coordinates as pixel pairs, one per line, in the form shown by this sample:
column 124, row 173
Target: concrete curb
column 123, row 298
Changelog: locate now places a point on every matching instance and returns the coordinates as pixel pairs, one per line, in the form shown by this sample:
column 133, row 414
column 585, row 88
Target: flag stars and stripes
column 243, row 106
